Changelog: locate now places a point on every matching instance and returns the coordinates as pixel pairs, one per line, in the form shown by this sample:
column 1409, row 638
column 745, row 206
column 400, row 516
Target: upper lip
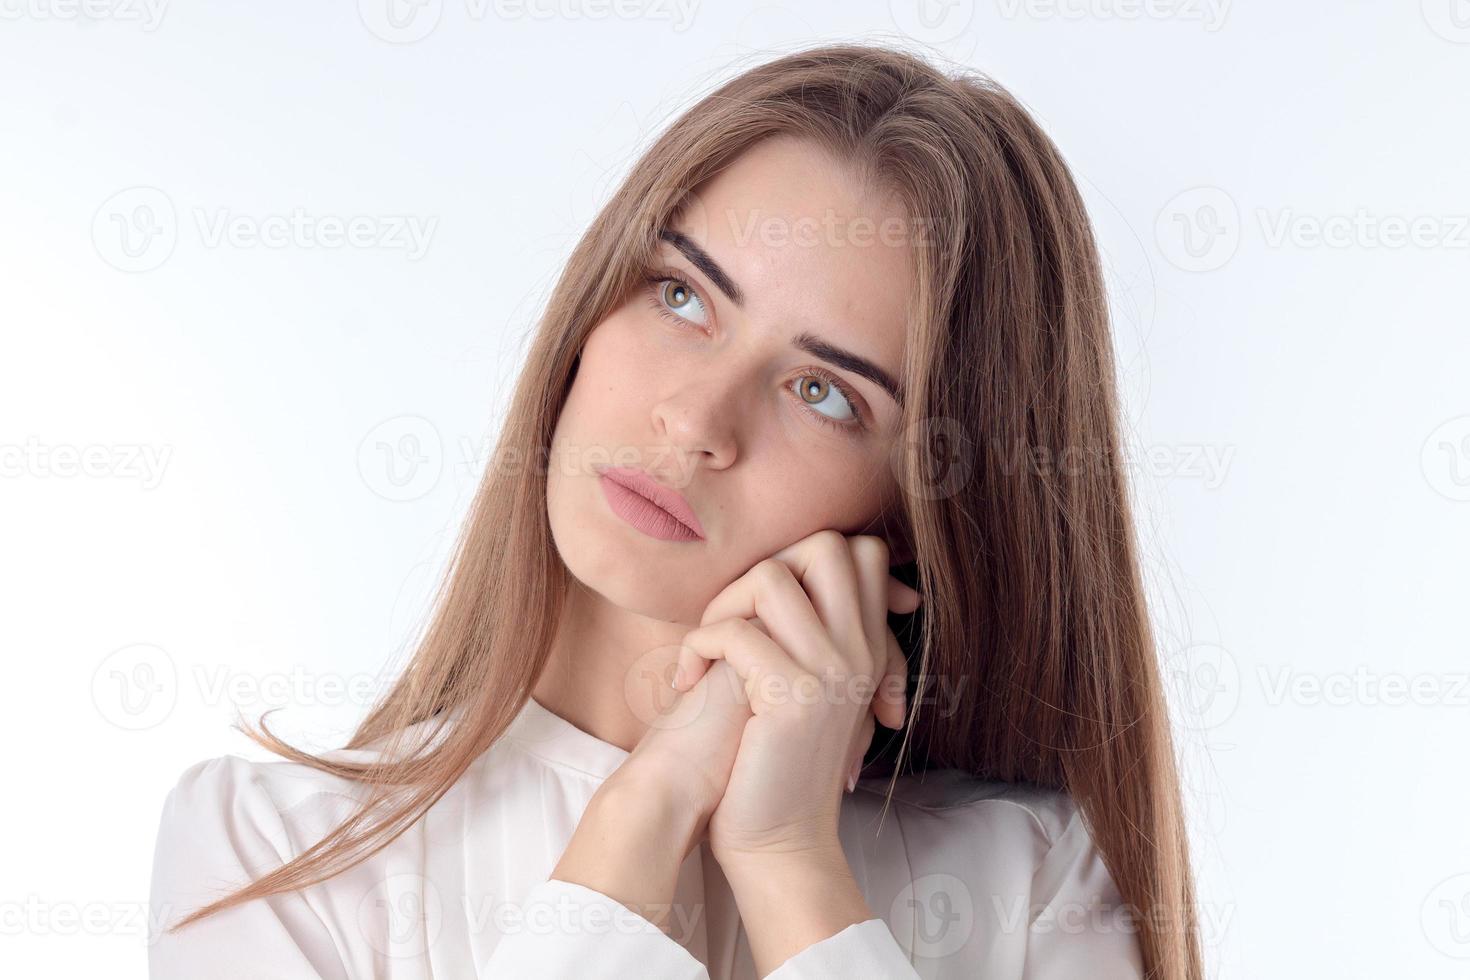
column 665, row 498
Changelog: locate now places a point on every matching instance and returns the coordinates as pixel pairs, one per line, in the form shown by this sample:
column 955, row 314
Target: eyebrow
column 811, row 343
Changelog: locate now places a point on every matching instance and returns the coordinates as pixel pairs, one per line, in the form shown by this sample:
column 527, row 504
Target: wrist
column 660, row 809
column 668, row 783
column 630, row 845
column 791, row 901
column 757, row 870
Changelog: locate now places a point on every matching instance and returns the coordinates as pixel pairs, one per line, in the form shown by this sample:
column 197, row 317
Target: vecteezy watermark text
column 137, row 228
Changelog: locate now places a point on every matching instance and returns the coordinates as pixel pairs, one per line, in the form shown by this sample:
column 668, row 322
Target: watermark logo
column 649, row 692
column 1206, row 680
column 400, row 21
column 408, row 21
column 136, row 229
column 938, row 911
column 147, row 14
column 1363, row 229
column 120, row 461
column 136, row 687
column 1198, row 230
column 1209, row 13
column 932, row 21
column 401, row 458
column 1363, row 687
column 407, row 233
column 401, row 915
column 219, row 684
column 1445, row 916
column 1209, row 464
column 1445, row 459
column 35, row 915
column 946, row 457
column 1450, row 19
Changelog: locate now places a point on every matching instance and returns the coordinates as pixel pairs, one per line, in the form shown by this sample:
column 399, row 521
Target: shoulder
column 953, row 799
column 233, row 789
column 251, row 811
column 233, row 786
column 997, row 836
column 991, row 871
column 228, row 820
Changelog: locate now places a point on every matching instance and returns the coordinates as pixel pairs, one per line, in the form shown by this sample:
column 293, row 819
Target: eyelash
column 654, row 278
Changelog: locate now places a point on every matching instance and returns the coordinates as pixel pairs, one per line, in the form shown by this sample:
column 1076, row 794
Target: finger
column 865, row 740
column 770, row 592
column 902, row 598
column 890, row 705
column 870, row 559
column 822, row 563
column 870, row 564
column 689, row 670
column 802, row 555
column 753, row 654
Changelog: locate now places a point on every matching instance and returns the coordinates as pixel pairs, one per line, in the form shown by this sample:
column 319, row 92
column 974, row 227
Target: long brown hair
column 1014, row 505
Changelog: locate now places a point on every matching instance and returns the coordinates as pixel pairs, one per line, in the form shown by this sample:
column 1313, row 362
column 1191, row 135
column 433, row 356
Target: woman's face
column 699, row 380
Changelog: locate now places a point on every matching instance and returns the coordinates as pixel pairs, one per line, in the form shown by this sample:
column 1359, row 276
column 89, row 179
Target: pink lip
column 648, row 505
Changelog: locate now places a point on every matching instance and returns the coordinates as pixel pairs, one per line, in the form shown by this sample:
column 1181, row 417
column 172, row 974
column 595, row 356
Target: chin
column 603, row 563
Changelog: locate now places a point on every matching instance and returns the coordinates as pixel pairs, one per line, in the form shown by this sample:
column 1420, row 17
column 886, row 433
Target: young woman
column 841, row 331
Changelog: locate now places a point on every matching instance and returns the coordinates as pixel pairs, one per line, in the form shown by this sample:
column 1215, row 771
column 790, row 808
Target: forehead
column 811, row 246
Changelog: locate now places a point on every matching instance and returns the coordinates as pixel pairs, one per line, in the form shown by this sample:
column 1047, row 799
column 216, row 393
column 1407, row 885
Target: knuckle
column 870, row 547
column 818, row 536
column 864, row 685
column 829, row 542
column 743, row 630
column 770, row 572
column 728, row 630
column 703, row 636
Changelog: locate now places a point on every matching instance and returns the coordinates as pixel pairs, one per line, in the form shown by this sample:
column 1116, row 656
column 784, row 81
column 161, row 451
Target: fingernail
column 678, row 676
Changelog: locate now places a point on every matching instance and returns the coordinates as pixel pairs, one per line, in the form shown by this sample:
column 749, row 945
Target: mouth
column 649, row 506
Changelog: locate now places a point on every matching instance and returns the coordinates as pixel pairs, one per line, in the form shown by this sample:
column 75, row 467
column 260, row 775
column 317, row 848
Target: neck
column 608, row 671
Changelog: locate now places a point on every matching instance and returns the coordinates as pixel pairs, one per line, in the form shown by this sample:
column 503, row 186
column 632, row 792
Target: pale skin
column 776, row 619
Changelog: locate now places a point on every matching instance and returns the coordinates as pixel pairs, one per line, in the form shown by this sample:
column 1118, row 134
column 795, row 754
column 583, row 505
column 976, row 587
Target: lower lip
column 640, row 512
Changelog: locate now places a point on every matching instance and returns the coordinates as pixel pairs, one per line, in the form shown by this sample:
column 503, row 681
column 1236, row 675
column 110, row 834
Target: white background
column 232, row 470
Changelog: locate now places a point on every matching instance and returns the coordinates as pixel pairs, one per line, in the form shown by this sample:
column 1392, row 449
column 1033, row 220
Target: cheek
column 617, row 354
column 805, row 492
column 606, row 371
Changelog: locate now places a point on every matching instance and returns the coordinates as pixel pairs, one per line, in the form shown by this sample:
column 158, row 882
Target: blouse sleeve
column 219, row 831
column 570, row 932
column 864, row 949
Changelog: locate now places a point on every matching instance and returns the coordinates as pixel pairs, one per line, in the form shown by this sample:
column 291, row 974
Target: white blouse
column 965, row 878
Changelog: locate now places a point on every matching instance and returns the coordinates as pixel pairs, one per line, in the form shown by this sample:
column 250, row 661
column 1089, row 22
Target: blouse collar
column 543, row 733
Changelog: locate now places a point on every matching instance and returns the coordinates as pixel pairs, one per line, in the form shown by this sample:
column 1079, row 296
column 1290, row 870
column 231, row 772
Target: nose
column 699, row 422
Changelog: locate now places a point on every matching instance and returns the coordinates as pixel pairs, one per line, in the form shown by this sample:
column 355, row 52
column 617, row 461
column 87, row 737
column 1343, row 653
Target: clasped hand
column 792, row 666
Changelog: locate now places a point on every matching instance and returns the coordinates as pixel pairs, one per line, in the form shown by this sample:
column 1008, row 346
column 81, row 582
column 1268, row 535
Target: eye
column 673, row 299
column 815, row 388
column 673, row 295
